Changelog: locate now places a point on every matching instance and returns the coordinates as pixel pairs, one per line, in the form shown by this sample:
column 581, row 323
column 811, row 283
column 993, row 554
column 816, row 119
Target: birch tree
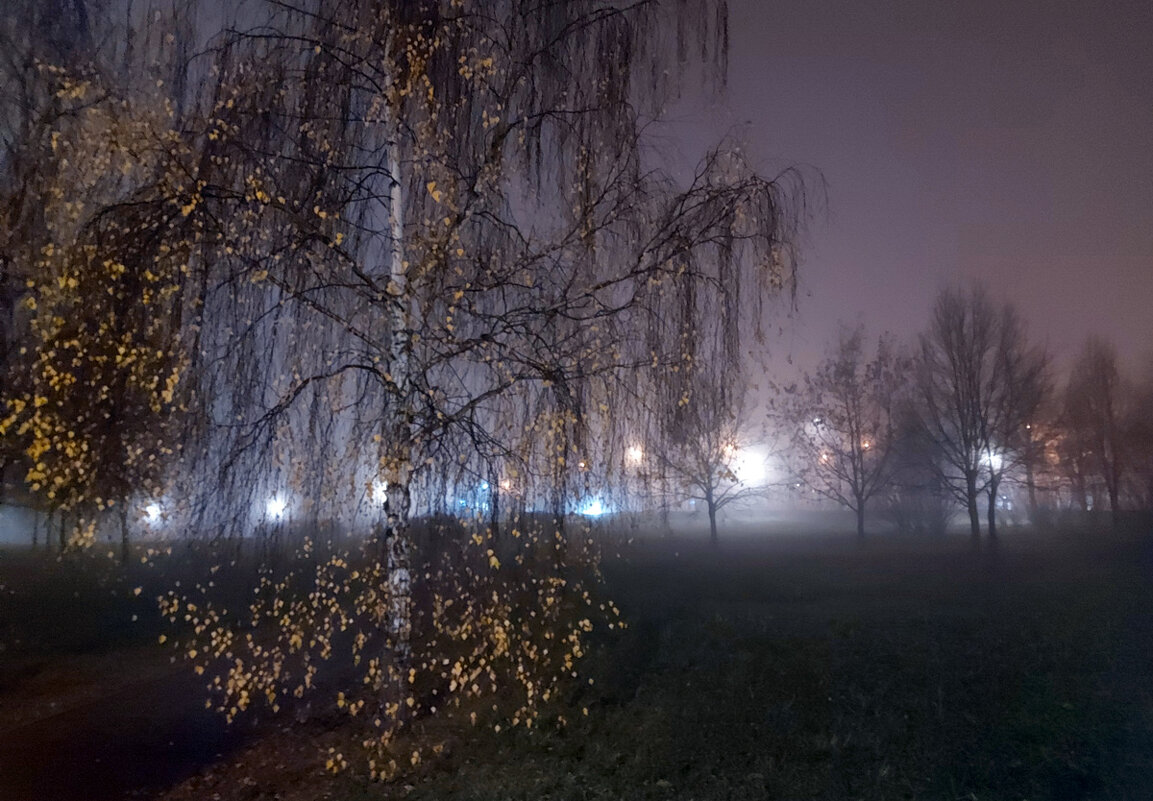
column 414, row 243
column 439, row 219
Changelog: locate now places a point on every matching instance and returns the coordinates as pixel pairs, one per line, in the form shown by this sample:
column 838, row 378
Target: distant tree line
column 974, row 417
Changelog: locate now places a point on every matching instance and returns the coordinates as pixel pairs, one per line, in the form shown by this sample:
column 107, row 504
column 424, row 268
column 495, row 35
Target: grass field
column 815, row 668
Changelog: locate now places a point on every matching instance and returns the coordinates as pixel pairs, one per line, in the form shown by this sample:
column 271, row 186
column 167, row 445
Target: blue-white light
column 276, row 507
column 594, row 508
column 379, row 491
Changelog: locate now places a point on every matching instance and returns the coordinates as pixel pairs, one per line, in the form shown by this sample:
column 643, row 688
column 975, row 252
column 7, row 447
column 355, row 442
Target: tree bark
column 1081, row 494
column 971, row 502
column 494, row 505
column 124, row 537
column 860, row 519
column 712, row 505
column 396, row 559
column 993, row 484
column 666, row 525
column 399, row 456
column 1031, row 484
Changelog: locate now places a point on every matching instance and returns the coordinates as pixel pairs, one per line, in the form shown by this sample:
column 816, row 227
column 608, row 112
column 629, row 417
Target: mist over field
column 585, row 399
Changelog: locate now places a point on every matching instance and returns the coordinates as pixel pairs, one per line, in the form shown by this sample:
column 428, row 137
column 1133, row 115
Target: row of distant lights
column 991, row 460
column 276, row 507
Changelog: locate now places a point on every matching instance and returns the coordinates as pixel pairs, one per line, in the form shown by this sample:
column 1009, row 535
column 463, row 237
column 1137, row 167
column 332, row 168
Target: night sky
column 1008, row 142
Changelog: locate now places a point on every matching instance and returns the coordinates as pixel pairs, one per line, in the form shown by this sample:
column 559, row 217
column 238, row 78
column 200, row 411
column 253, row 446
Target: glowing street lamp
column 153, row 514
column 593, row 508
column 276, row 507
column 749, row 467
column 379, row 492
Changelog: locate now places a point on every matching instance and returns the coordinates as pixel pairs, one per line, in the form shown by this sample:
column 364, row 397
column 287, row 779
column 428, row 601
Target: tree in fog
column 1025, row 393
column 366, row 254
column 433, row 243
column 841, row 420
column 34, row 36
column 709, row 458
column 95, row 258
column 472, row 276
column 918, row 500
column 370, row 254
column 1096, row 404
column 1141, row 440
column 979, row 383
column 1034, row 453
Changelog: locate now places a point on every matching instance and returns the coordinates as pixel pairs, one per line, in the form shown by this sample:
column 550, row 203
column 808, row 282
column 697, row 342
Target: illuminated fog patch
column 750, row 466
column 379, row 492
column 153, row 514
column 594, row 508
column 276, row 508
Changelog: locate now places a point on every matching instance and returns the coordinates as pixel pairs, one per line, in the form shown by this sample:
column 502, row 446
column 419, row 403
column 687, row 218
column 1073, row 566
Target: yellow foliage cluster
column 102, row 361
column 486, row 634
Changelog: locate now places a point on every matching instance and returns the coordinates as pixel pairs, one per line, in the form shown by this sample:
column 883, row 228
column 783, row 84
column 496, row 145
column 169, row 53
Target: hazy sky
column 1006, row 141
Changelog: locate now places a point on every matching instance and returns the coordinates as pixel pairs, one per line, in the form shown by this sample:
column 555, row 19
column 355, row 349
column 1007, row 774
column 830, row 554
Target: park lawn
column 812, row 667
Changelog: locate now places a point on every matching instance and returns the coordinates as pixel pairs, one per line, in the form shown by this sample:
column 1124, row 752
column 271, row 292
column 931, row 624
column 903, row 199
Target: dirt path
column 130, row 743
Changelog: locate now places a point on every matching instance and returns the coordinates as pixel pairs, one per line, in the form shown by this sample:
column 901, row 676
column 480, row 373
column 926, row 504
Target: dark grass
column 84, row 603
column 788, row 667
column 816, row 668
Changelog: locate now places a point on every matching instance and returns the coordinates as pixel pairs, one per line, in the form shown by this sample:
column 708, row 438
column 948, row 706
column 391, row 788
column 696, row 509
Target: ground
column 808, row 667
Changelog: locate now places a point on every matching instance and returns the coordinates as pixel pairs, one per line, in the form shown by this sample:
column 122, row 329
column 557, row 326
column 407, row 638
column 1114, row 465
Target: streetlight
column 593, row 508
column 153, row 514
column 379, row 491
column 276, row 507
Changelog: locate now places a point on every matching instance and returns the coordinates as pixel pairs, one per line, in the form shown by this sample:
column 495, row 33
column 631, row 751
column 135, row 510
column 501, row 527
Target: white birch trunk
column 398, row 435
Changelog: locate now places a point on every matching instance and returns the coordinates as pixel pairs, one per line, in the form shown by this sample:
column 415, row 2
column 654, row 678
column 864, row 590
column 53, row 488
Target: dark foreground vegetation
column 793, row 667
column 815, row 668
